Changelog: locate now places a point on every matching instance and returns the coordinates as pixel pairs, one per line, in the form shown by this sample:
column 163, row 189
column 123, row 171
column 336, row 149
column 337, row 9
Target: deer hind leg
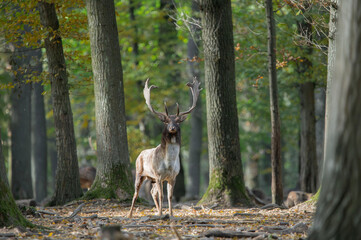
column 155, row 196
column 170, row 187
column 138, row 182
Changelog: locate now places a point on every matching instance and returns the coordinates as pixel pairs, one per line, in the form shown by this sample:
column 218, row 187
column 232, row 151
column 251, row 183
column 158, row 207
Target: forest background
column 154, row 39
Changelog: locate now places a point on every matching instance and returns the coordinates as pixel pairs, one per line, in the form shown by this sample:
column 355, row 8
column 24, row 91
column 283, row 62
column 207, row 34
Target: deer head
column 173, row 121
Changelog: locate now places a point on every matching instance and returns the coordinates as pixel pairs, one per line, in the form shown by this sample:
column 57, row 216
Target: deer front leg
column 138, row 182
column 159, row 184
column 170, row 187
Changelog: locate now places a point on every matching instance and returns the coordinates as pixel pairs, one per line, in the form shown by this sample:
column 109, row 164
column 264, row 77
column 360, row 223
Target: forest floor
column 96, row 218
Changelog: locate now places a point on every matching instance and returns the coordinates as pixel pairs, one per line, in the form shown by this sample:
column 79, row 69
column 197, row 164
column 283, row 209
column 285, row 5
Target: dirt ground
column 107, row 219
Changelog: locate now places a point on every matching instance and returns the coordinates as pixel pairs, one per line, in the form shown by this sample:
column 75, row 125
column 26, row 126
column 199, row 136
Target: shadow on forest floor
column 96, row 218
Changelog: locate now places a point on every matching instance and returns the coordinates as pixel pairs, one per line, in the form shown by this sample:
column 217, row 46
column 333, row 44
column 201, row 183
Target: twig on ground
column 176, row 233
column 234, row 234
column 76, row 211
column 46, row 212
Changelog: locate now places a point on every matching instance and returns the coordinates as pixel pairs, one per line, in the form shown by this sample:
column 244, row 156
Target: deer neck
column 170, row 146
column 170, row 139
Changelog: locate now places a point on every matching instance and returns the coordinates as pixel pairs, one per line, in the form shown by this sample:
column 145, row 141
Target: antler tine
column 165, row 108
column 177, row 109
column 146, row 93
column 194, row 87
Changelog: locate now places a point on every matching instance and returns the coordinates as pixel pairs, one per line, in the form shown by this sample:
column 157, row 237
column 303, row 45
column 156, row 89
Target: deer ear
column 181, row 118
column 163, row 118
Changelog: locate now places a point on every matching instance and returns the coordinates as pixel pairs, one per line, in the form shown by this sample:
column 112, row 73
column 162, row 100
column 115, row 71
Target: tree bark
column 308, row 165
column 3, row 174
column 135, row 44
column 113, row 178
column 51, row 146
column 179, row 188
column 308, row 161
column 38, row 134
column 10, row 214
column 226, row 186
column 67, row 186
column 20, row 120
column 338, row 212
column 277, row 186
column 195, row 142
column 320, row 103
column 166, row 43
column 330, row 69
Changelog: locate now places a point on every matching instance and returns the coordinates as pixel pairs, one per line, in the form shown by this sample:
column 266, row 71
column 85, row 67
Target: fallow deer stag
column 162, row 163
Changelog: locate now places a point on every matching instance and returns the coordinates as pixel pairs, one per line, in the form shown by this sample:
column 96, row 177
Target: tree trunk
column 3, row 174
column 67, row 186
column 179, row 188
column 320, row 101
column 308, row 160
column 21, row 183
column 10, row 214
column 226, row 186
column 330, row 69
column 195, row 145
column 308, row 164
column 135, row 44
column 113, row 178
column 166, row 43
column 338, row 211
column 265, row 163
column 38, row 135
column 51, row 145
column 277, row 186
column 53, row 159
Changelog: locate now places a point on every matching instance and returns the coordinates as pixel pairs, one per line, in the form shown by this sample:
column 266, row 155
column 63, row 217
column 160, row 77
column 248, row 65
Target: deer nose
column 172, row 129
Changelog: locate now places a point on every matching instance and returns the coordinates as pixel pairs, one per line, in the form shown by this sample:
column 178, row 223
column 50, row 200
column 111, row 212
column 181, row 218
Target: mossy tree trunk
column 10, row 214
column 338, row 214
column 67, row 185
column 226, row 186
column 113, row 179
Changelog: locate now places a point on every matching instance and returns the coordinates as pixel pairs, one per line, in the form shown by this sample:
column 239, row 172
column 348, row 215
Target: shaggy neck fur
column 170, row 138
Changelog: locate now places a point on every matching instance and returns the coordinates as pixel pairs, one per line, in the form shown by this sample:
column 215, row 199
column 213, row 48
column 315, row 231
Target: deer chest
column 170, row 166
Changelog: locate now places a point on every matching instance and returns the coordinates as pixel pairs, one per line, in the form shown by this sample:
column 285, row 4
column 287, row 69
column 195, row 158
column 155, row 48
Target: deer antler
column 146, row 93
column 194, row 87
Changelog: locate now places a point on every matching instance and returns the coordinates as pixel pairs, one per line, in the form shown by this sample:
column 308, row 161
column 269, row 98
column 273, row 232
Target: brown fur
column 297, row 197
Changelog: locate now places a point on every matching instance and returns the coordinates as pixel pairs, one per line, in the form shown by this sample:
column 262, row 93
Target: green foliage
column 250, row 36
column 137, row 142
